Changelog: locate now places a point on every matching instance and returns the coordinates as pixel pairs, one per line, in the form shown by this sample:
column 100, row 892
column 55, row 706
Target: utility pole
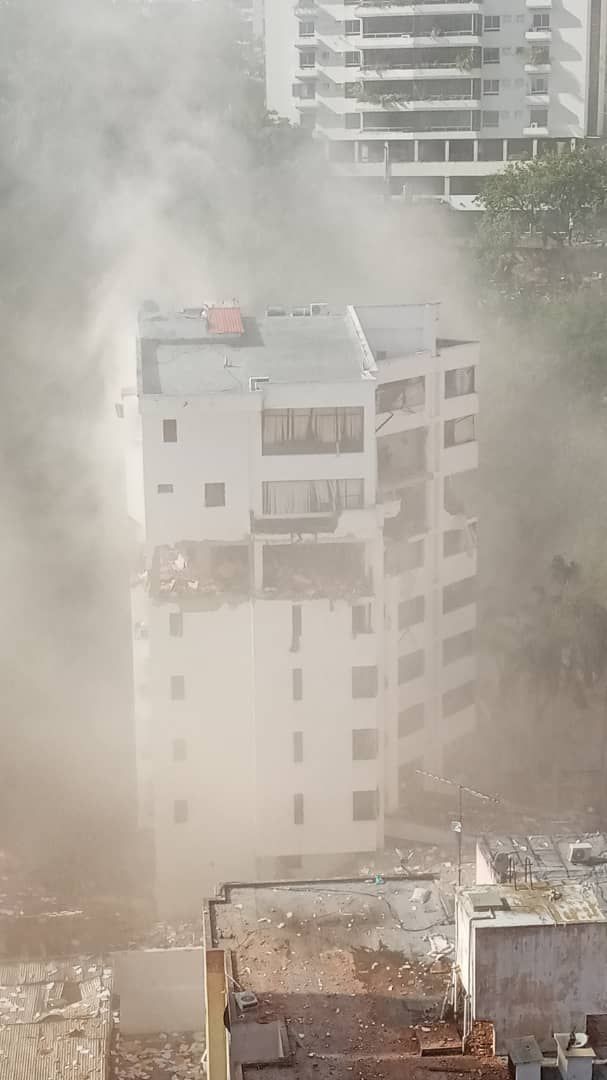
column 458, row 826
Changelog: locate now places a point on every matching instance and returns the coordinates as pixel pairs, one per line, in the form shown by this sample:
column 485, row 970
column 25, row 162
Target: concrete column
column 257, row 566
column 475, row 150
column 505, row 150
column 534, row 143
column 447, row 150
column 416, row 149
column 447, row 190
column 216, row 1001
column 357, row 152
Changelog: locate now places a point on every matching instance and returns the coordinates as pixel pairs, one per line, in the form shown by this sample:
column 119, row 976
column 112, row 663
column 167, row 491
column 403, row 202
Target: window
column 352, row 121
column 181, row 811
column 176, row 624
column 540, row 54
column 169, row 430
column 403, row 395
column 361, row 619
column 214, row 494
column 459, row 381
column 180, row 750
column 364, row 744
column 295, row 627
column 458, row 646
column 364, row 805
column 539, row 86
column 491, row 56
column 454, row 542
column 490, row 118
column 307, row 59
column 298, row 809
column 461, row 495
column 411, row 666
column 460, row 431
column 491, row 22
column 297, row 681
column 306, row 90
column 411, row 720
column 541, row 20
column 411, row 612
column 352, row 90
column 294, row 498
column 298, row 747
column 177, row 688
column 491, row 86
column 364, row 682
column 352, row 59
column 539, row 118
column 307, row 28
column 461, row 697
column 459, row 594
column 353, row 26
column 313, row 431
column 164, row 489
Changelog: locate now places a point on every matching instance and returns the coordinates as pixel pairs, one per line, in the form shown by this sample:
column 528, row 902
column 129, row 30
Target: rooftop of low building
column 348, row 970
column 70, row 989
column 549, row 857
column 532, row 904
column 61, row 1048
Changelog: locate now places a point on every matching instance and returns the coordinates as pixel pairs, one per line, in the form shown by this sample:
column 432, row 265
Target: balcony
column 375, row 8
column 538, row 100
column 538, row 67
column 316, row 570
column 539, row 5
column 539, row 35
column 535, row 131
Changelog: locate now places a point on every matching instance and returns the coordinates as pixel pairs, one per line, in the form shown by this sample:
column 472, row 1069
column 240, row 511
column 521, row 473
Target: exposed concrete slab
column 160, row 990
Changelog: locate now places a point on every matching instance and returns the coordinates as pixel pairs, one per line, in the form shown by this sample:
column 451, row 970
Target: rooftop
column 78, row 1049
column 548, row 855
column 350, row 968
column 64, row 989
column 212, row 350
column 535, row 905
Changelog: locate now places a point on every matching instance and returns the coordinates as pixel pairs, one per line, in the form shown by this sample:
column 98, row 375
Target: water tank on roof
column 580, row 852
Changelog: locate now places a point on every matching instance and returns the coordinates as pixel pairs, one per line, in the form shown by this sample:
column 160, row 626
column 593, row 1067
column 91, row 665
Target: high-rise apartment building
column 304, row 623
column 433, row 96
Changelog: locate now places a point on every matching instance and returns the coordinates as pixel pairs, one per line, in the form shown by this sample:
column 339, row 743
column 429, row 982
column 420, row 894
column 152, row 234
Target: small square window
column 181, row 811
column 352, row 59
column 490, row 119
column 364, row 682
column 411, row 720
column 492, row 22
column 491, row 86
column 164, row 489
column 180, row 750
column 365, row 805
column 539, row 86
column 541, row 20
column 459, row 382
column 177, row 688
column 297, row 677
column 411, row 612
column 491, row 56
column 411, row 666
column 457, row 647
column 169, row 430
column 298, row 809
column 459, row 594
column 361, row 619
column 307, row 28
column 176, row 624
column 298, row 747
column 352, row 26
column 539, row 118
column 307, row 59
column 214, row 494
column 462, row 430
column 364, row 744
column 352, row 121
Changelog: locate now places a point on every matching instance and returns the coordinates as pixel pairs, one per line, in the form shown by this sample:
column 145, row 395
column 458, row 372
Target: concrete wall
column 539, row 979
column 160, row 990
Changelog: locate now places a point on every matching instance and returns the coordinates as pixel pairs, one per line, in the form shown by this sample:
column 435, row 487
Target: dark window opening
column 411, row 666
column 460, row 431
column 411, row 612
column 411, row 720
column 298, row 809
column 404, row 395
column 364, row 744
column 459, row 594
column 298, row 747
column 365, row 805
column 176, row 624
column 164, row 489
column 457, row 647
column 214, row 494
column 364, row 682
column 297, row 680
column 459, row 381
column 361, row 619
column 169, row 430
column 296, row 624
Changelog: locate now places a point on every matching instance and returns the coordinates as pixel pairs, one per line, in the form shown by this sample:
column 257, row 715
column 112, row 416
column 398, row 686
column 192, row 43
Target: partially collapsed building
column 305, row 612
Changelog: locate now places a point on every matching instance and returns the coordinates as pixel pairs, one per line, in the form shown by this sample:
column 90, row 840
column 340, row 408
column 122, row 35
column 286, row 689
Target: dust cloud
column 136, row 161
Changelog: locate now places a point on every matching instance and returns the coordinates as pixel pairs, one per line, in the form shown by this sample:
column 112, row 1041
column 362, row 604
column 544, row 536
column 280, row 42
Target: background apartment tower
column 304, row 613
column 436, row 95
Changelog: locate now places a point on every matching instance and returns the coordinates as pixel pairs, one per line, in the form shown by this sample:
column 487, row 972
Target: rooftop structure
column 304, row 624
column 347, row 972
column 541, row 858
column 429, row 99
column 531, row 958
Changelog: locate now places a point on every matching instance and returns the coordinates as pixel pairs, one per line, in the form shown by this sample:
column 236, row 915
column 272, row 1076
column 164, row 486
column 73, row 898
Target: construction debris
column 159, row 1057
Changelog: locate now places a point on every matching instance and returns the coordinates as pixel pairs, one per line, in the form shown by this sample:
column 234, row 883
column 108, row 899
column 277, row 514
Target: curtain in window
column 349, row 426
column 464, row 380
column 275, row 428
column 299, row 497
column 463, row 430
column 324, row 426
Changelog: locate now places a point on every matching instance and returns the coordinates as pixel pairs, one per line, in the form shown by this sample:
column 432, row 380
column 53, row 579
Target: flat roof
column 61, row 1048
column 350, row 966
column 535, row 905
column 525, row 1050
column 70, row 989
column 549, row 855
column 284, row 349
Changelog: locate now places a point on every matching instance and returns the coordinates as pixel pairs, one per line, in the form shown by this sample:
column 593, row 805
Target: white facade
column 286, row 685
column 435, row 96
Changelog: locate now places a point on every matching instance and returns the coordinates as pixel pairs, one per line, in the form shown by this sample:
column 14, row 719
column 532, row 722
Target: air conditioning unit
column 580, row 852
column 245, row 1000
column 257, row 382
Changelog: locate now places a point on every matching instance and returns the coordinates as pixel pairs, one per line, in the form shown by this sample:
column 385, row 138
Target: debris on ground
column 159, row 1057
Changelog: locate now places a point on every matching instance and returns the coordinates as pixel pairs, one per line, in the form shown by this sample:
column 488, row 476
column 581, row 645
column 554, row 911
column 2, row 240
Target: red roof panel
column 225, row 320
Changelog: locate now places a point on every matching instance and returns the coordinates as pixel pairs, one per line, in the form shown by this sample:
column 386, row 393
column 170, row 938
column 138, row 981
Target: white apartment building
column 433, row 95
column 304, row 625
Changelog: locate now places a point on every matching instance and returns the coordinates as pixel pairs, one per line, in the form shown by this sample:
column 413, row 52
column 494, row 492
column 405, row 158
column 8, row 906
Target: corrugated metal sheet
column 59, row 1049
column 27, row 972
column 225, row 320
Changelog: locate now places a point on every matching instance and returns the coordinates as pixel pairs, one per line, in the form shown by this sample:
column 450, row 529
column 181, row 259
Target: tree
column 571, row 187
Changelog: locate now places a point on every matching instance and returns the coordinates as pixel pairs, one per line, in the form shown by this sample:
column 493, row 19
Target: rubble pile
column 159, row 1057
